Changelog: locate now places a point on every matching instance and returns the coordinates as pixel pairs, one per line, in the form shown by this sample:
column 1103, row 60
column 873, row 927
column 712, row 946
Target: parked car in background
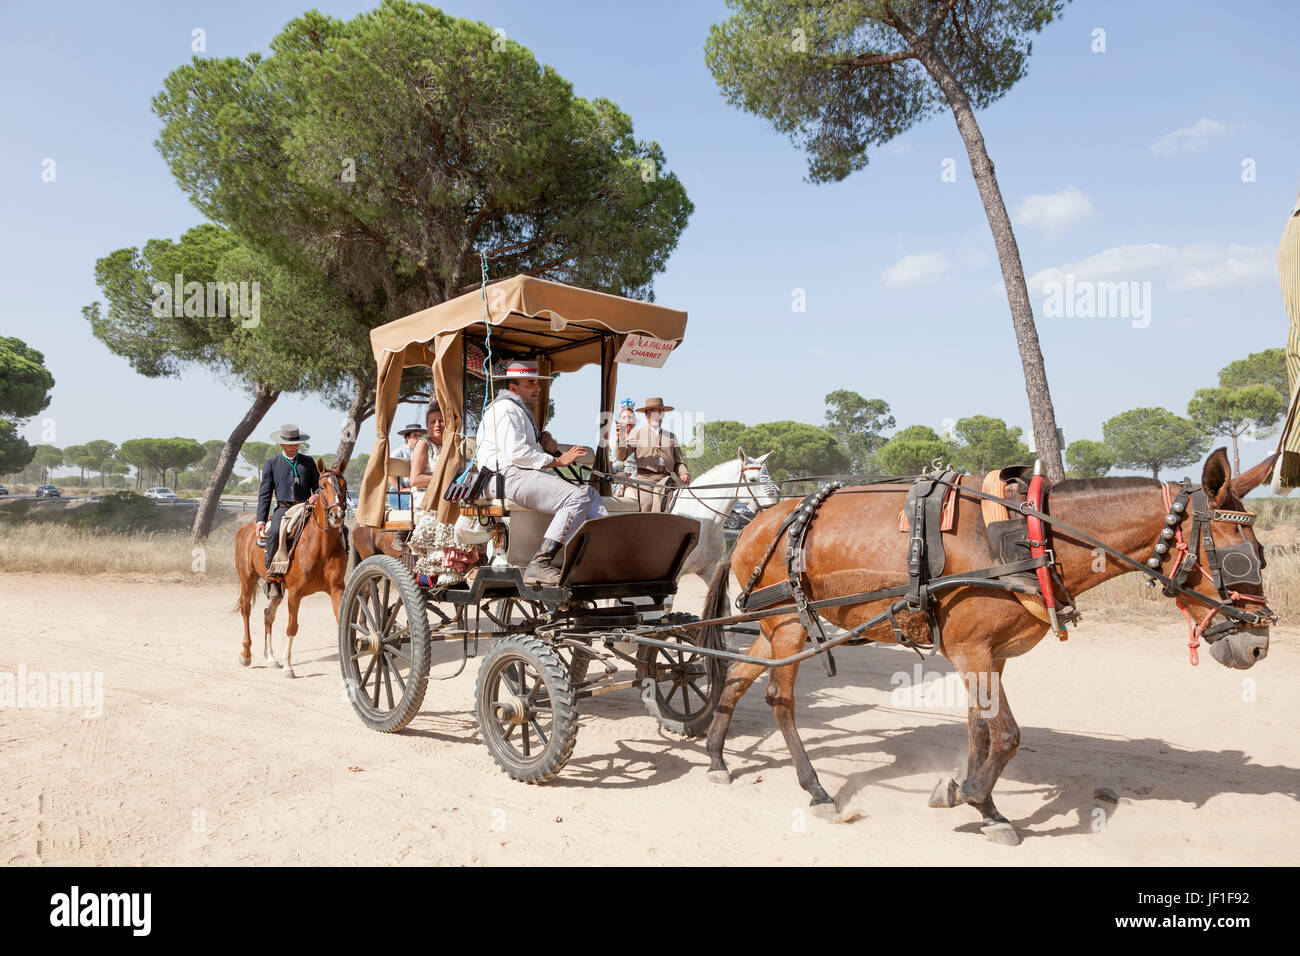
column 48, row 491
column 3, row 490
column 160, row 494
column 741, row 515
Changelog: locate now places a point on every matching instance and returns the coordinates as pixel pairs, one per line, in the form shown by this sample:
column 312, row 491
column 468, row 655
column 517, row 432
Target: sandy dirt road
column 195, row 760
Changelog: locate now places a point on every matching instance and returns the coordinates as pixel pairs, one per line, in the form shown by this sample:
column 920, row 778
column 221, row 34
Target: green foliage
column 15, row 453
column 838, row 78
column 986, row 443
column 1088, row 459
column 355, row 470
column 25, row 382
column 1232, row 411
column 46, row 458
column 387, row 149
column 798, row 449
column 858, row 424
column 1153, row 438
column 1258, row 368
column 256, row 453
column 912, row 450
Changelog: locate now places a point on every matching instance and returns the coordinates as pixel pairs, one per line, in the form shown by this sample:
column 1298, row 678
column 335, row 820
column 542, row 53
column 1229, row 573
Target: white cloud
column 1055, row 212
column 1201, row 266
column 1190, row 139
column 920, row 268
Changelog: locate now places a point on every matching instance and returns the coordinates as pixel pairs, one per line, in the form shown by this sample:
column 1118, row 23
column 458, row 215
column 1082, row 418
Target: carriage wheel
column 684, row 686
column 525, row 708
column 384, row 643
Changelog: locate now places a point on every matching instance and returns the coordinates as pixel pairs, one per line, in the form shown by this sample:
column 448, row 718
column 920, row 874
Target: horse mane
column 1104, row 484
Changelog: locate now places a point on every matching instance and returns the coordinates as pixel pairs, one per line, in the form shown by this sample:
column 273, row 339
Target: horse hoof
column 944, row 793
column 1003, row 834
column 719, row 776
column 824, row 811
column 245, row 661
column 288, row 672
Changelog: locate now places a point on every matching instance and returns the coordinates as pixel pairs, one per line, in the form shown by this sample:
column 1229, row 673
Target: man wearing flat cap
column 509, row 442
column 291, row 477
column 657, row 453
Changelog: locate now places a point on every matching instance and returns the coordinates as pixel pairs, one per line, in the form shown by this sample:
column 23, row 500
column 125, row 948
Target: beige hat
column 288, row 435
column 655, row 404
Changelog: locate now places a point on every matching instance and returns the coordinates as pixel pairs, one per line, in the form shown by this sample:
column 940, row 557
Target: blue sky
column 1123, row 165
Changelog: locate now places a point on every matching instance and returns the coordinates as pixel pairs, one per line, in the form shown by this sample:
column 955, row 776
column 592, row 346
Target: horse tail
column 716, row 604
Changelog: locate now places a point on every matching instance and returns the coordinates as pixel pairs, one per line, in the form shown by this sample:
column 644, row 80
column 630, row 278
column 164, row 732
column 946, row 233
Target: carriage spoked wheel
column 525, row 708
column 384, row 643
column 516, row 612
column 681, row 687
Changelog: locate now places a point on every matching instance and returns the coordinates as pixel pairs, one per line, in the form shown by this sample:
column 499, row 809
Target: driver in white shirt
column 510, row 442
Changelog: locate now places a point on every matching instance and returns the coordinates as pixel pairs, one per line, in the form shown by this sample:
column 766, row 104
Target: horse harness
column 1226, row 568
column 1238, row 564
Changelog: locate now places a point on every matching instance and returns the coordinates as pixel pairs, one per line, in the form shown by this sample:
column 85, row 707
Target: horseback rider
column 510, row 443
column 656, row 451
column 293, row 478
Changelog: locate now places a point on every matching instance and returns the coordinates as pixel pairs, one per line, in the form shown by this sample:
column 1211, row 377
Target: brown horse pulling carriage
column 980, row 591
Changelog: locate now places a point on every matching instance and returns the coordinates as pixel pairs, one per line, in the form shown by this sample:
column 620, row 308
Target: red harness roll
column 1038, row 548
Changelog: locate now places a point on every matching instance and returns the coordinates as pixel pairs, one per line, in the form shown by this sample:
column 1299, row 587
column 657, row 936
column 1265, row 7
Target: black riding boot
column 543, row 569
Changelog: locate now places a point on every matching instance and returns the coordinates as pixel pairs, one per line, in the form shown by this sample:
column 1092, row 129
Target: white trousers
column 570, row 504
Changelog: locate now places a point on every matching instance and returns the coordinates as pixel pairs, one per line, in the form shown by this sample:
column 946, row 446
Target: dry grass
column 160, row 555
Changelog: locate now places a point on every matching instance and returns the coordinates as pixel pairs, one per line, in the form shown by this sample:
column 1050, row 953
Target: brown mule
column 319, row 564
column 854, row 546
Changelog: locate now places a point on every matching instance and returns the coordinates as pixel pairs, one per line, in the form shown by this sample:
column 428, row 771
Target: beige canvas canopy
column 564, row 328
column 1286, row 472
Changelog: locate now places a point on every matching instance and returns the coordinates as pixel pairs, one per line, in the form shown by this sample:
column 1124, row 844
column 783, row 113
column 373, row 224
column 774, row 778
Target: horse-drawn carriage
column 553, row 645
column 973, row 567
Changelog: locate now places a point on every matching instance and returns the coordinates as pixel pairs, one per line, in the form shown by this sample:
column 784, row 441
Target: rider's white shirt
column 508, row 436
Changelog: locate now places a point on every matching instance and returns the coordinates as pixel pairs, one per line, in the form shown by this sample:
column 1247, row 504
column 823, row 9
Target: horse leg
column 1000, row 739
column 789, row 639
column 268, row 643
column 247, row 594
column 294, row 599
column 739, row 677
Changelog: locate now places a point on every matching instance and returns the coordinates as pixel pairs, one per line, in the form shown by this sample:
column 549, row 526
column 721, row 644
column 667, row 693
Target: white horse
column 742, row 479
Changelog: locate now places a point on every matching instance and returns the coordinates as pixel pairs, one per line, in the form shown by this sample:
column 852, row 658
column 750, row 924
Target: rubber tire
column 544, row 661
column 697, row 725
column 373, row 568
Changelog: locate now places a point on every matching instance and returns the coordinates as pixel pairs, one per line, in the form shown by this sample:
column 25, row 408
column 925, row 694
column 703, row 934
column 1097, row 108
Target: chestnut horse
column 853, row 545
column 319, row 564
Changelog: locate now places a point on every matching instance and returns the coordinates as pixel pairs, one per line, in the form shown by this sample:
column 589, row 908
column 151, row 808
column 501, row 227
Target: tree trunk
column 1013, row 273
column 358, row 411
column 1236, row 458
column 262, row 402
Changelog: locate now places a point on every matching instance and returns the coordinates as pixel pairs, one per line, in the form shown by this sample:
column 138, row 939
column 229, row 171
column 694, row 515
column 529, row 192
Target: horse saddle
column 929, row 510
column 291, row 528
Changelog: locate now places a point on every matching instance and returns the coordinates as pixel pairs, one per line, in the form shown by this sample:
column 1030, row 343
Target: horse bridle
column 769, row 485
column 341, row 488
column 1225, row 567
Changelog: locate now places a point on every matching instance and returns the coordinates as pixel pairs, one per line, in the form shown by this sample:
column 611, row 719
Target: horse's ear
column 320, row 466
column 1252, row 478
column 1216, row 478
column 341, row 466
column 764, row 458
column 743, row 456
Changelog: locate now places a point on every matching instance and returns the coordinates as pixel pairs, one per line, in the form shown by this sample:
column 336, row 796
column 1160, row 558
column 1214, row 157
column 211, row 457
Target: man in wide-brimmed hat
column 509, row 442
column 293, row 478
column 657, row 453
column 411, row 437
